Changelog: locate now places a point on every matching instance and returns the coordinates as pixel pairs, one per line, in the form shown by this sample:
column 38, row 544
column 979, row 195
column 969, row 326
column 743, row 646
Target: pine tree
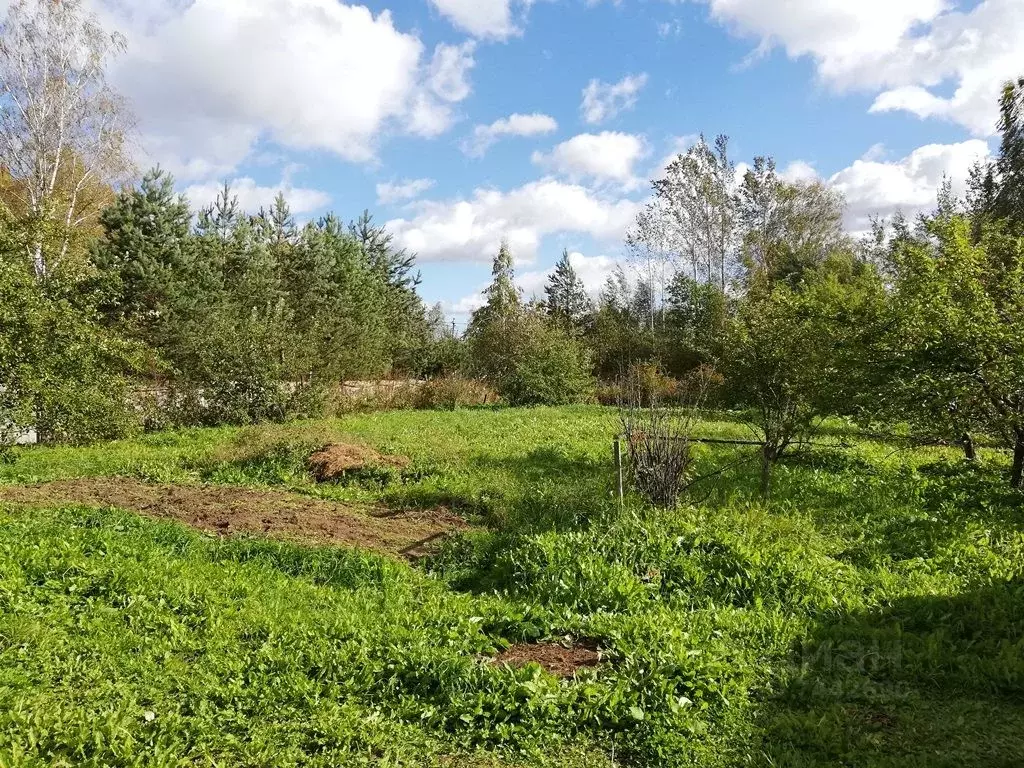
column 504, row 300
column 567, row 299
column 1009, row 199
column 493, row 327
column 145, row 250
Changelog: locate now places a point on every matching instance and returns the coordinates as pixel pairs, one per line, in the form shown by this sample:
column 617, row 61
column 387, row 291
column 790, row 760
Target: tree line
column 755, row 284
column 230, row 316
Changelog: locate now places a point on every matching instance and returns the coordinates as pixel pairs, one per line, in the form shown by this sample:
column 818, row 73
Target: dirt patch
column 227, row 510
column 561, row 660
column 338, row 460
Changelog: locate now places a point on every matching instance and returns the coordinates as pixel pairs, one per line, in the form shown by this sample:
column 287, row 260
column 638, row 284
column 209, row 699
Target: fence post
column 618, row 469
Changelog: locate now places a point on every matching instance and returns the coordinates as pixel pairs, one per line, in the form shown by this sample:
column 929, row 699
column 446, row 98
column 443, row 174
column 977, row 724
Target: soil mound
column 558, row 659
column 338, row 460
column 227, row 510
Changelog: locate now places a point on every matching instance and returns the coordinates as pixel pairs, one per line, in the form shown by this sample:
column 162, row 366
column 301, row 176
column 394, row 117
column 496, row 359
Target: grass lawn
column 872, row 614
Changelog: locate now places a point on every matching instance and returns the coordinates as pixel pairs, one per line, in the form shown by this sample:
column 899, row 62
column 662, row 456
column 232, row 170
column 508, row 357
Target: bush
column 60, row 370
column 87, row 412
column 371, row 396
column 450, row 393
column 643, row 382
column 540, row 363
column 238, row 401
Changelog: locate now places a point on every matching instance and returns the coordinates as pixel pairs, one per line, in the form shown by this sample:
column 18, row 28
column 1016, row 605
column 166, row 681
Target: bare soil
column 335, row 461
column 228, row 510
column 560, row 660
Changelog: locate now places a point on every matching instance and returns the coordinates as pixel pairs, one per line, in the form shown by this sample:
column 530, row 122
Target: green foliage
column 550, row 367
column 870, row 615
column 61, row 372
column 622, row 332
column 954, row 353
column 696, row 315
column 566, row 298
column 529, row 358
column 243, row 312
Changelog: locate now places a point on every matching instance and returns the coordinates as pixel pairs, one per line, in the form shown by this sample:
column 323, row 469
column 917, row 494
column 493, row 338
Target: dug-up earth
column 333, row 462
column 559, row 659
column 229, row 510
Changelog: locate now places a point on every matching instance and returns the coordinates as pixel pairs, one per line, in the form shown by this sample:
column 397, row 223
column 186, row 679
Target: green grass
column 871, row 615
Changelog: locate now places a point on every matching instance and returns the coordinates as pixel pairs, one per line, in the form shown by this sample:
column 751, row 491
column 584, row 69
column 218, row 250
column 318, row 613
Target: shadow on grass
column 925, row 681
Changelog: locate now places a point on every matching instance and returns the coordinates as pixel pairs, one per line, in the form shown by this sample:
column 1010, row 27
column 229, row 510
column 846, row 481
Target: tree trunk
column 1017, row 474
column 767, row 459
column 968, row 443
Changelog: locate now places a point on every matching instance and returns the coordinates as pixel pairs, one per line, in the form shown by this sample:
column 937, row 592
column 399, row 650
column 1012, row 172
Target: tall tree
column 491, row 327
column 786, row 228
column 1009, row 199
column 62, row 128
column 955, row 349
column 145, row 248
column 692, row 218
column 566, row 296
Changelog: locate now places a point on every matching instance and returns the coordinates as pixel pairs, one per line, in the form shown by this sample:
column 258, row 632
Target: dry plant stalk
column 659, row 439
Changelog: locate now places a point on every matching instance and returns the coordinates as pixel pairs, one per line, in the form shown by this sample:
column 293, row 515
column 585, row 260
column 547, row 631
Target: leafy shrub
column 246, row 399
column 87, row 412
column 548, row 366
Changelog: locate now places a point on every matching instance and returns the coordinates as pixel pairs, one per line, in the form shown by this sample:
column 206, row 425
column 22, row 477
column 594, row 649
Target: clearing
column 871, row 614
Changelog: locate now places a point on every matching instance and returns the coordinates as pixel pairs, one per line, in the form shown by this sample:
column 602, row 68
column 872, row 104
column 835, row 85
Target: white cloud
column 607, row 156
column 978, row 51
column 603, row 101
column 449, row 71
column 395, row 192
column 481, row 18
column 905, row 49
column 251, row 196
column 212, row 78
column 472, row 229
column 911, row 185
column 668, row 29
column 484, row 136
column 467, row 305
column 799, row 170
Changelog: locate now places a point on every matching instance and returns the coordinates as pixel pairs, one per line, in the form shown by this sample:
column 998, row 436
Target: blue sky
column 461, row 122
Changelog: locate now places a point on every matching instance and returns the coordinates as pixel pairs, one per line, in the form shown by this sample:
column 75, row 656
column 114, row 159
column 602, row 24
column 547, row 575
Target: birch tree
column 62, row 127
column 693, row 214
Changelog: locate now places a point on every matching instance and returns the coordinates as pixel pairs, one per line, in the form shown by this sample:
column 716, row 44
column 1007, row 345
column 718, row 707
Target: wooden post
column 618, row 469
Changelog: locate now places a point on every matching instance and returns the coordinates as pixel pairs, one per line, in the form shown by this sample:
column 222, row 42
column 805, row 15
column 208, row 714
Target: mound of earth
column 335, row 461
column 226, row 510
column 560, row 660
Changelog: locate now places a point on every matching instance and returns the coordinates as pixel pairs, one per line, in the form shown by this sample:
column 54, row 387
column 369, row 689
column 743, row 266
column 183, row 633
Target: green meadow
column 871, row 613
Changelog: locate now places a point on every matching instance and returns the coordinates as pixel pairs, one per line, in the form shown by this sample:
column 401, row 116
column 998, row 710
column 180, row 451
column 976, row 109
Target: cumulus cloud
column 472, row 229
column 799, row 170
column 396, row 192
column 211, row 79
column 607, row 156
column 907, row 50
column 485, row 136
column 482, row 18
column 873, row 187
column 251, row 196
column 603, row 101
